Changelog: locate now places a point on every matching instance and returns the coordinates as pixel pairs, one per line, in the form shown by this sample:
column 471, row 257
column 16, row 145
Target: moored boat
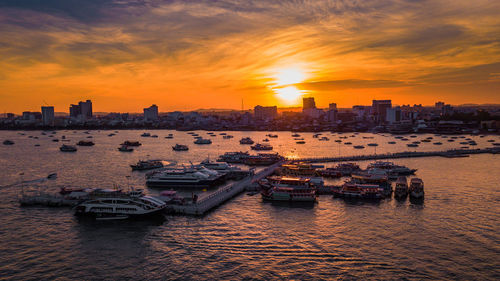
column 246, row 140
column 131, row 143
column 355, row 190
column 202, row 141
column 261, row 147
column 416, row 188
column 67, row 148
column 147, row 165
column 401, row 188
column 85, row 143
column 290, row 189
column 125, row 148
column 180, row 147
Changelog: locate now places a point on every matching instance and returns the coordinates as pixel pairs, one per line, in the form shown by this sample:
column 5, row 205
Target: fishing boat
column 246, row 140
column 67, row 148
column 169, row 136
column 180, row 147
column 147, row 165
column 358, row 147
column 289, row 189
column 145, row 135
column 401, row 188
column 300, row 142
column 8, row 142
column 416, row 189
column 261, row 147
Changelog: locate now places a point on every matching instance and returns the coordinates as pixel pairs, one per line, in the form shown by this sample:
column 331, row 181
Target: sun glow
column 284, row 80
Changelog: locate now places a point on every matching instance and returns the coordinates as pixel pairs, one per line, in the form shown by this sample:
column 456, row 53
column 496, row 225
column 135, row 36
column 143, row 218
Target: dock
column 205, row 204
column 409, row 154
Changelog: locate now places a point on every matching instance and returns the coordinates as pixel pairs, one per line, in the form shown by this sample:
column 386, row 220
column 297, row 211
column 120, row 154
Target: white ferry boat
column 112, row 204
column 187, row 177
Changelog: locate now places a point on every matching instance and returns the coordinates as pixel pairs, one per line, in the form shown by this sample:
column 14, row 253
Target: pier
column 409, row 154
column 205, row 204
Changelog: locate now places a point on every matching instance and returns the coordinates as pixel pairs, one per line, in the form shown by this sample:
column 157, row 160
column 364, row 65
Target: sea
column 454, row 234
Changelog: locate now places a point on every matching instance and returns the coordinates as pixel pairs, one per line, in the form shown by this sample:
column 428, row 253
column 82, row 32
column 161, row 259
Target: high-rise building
column 265, row 112
column 86, row 108
column 393, row 115
column 151, row 113
column 48, row 115
column 308, row 103
column 74, row 110
column 332, row 113
column 379, row 109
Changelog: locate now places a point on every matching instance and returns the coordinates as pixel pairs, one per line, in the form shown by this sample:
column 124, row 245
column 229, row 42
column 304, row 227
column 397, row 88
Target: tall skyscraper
column 151, row 113
column 48, row 115
column 74, row 110
column 308, row 103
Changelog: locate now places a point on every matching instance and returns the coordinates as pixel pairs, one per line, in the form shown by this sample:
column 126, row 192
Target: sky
column 125, row 55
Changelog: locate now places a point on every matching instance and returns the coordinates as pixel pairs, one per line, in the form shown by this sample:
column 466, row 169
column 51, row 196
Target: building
column 74, row 110
column 86, row 108
column 308, row 103
column 265, row 112
column 393, row 115
column 361, row 112
column 151, row 113
column 379, row 109
column 439, row 105
column 332, row 113
column 48, row 115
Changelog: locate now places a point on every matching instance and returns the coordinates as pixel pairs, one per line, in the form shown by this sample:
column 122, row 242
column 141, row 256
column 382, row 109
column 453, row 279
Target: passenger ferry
column 233, row 157
column 360, row 191
column 416, row 188
column 186, row 177
column 111, row 204
column 401, row 188
column 263, row 159
column 289, row 189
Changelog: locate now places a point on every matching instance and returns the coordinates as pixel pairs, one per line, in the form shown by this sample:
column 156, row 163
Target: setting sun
column 284, row 80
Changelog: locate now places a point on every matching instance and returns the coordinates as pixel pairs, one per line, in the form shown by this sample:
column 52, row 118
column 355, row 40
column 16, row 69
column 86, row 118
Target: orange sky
column 180, row 55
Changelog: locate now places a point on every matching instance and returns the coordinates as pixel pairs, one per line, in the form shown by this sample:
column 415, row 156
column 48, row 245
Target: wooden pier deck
column 446, row 153
column 225, row 193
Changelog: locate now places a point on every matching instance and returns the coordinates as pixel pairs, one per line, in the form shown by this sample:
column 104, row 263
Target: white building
column 393, row 115
column 151, row 113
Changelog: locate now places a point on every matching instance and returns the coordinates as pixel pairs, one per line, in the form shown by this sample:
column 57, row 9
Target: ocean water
column 453, row 235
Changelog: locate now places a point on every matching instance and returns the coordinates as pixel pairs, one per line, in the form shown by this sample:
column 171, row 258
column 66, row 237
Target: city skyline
column 190, row 55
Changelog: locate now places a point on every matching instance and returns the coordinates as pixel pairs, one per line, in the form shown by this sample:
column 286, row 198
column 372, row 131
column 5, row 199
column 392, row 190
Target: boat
column 246, row 140
column 295, row 135
column 355, row 190
column 112, row 204
column 125, row 148
column 261, row 147
column 391, row 142
column 416, row 188
column 358, row 146
column 300, row 142
column 265, row 140
column 233, row 157
column 401, row 188
column 8, row 142
column 55, row 140
column 170, row 197
column 169, row 136
column 330, row 173
column 154, row 136
column 338, row 140
column 372, row 144
column 391, row 168
column 412, row 145
column 180, row 147
column 85, row 143
column 131, row 143
column 227, row 137
column 272, row 136
column 348, row 143
column 324, row 139
column 145, row 135
column 262, row 159
column 184, row 177
column 298, row 169
column 147, row 165
column 202, row 141
column 67, row 148
column 437, row 143
column 290, row 189
column 346, row 169
column 110, row 135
